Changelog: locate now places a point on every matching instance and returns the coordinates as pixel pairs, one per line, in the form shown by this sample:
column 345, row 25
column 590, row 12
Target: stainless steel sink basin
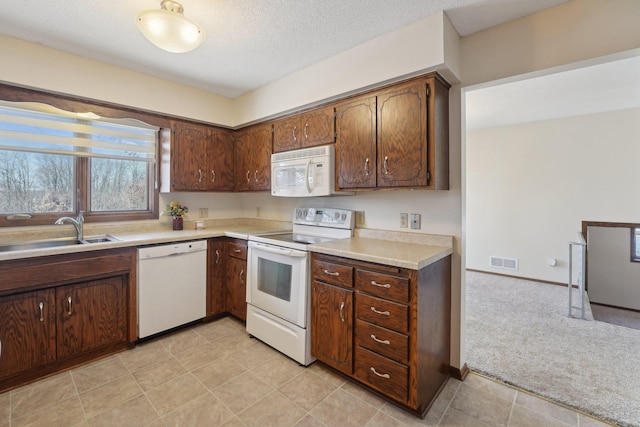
column 100, row 239
column 55, row 243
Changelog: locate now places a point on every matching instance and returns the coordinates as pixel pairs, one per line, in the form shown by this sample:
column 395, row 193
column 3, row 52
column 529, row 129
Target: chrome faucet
column 77, row 222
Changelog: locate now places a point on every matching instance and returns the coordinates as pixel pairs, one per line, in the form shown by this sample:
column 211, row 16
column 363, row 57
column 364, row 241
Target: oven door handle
column 280, row 251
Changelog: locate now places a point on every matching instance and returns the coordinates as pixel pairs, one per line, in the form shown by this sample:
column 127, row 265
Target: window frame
column 78, row 104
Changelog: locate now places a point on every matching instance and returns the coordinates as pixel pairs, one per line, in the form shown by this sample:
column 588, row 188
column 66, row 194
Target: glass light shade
column 170, row 30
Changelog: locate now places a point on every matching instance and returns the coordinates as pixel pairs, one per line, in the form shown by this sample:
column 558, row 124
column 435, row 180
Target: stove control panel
column 325, row 217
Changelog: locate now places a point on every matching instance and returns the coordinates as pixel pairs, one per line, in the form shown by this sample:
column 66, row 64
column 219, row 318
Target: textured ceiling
column 249, row 42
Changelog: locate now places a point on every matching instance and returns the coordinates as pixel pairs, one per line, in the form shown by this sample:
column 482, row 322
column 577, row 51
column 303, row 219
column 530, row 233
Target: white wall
column 530, row 186
column 411, row 50
column 574, row 31
column 36, row 66
column 612, row 278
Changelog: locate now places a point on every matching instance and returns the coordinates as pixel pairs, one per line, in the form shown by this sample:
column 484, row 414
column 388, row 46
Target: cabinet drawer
column 383, row 285
column 383, row 341
column 385, row 375
column 237, row 250
column 335, row 274
column 383, row 313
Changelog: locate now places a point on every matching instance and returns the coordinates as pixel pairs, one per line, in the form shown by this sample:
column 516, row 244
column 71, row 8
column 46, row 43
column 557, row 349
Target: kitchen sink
column 55, row 243
column 100, row 239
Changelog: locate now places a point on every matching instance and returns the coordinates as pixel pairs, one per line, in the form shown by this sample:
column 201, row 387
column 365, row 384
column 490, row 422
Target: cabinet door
column 332, row 326
column 91, row 315
column 27, row 331
column 260, row 150
column 287, row 134
column 220, row 175
column 356, row 143
column 189, row 169
column 243, row 158
column 402, row 136
column 216, row 277
column 318, row 127
column 236, row 287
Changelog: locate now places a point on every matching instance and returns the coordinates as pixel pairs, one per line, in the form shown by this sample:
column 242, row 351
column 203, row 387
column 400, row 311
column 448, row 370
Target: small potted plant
column 176, row 211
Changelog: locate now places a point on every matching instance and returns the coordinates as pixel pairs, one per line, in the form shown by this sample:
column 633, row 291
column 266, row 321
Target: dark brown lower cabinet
column 27, row 331
column 60, row 311
column 385, row 327
column 91, row 315
column 332, row 331
column 235, row 296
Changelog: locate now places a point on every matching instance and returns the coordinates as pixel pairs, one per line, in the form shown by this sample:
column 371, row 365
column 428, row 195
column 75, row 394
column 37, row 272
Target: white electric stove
column 278, row 280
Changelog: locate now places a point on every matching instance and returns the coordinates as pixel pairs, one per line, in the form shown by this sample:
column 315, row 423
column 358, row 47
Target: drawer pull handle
column 41, row 306
column 386, row 285
column 387, row 342
column 341, row 314
column 237, row 251
column 384, row 313
column 336, row 273
column 69, row 306
column 379, row 374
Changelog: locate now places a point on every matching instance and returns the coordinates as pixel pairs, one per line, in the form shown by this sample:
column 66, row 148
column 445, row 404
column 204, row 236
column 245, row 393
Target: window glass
column 36, row 183
column 54, row 161
column 635, row 244
column 119, row 185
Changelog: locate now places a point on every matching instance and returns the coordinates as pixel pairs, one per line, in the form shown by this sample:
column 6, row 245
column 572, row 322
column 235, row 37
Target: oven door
column 277, row 281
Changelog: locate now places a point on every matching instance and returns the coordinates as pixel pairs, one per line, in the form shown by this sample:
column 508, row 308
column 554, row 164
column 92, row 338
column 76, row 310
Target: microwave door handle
column 307, row 177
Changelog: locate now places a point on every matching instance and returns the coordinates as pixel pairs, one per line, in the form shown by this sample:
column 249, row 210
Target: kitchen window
column 635, row 244
column 55, row 162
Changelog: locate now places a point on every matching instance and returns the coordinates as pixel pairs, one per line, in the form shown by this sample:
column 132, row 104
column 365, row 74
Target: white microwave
column 307, row 172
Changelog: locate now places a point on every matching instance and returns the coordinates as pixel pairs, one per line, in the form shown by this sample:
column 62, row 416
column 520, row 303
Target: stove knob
column 337, row 215
column 344, row 216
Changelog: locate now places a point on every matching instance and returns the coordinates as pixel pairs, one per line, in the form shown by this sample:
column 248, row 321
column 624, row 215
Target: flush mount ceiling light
column 169, row 29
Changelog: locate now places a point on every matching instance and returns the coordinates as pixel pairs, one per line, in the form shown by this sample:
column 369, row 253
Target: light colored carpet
column 518, row 332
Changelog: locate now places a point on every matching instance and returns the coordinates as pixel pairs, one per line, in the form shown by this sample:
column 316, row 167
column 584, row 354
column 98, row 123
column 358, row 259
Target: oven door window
column 277, row 283
column 274, row 278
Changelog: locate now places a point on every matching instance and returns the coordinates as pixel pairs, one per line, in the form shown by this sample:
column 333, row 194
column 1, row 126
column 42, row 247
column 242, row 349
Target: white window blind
column 41, row 128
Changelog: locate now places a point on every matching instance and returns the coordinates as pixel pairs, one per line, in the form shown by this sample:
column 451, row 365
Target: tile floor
column 215, row 375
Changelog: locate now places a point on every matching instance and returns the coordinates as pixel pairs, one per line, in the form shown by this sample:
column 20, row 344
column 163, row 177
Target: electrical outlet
column 258, row 212
column 404, row 220
column 415, row 221
column 204, row 212
column 359, row 218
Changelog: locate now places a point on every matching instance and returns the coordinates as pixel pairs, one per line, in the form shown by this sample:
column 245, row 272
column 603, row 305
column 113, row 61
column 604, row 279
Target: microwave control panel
column 327, row 217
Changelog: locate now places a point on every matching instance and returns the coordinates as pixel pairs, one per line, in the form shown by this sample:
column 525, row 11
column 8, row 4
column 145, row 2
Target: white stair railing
column 581, row 244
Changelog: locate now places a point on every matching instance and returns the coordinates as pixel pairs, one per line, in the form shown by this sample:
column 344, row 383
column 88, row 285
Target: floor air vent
column 506, row 263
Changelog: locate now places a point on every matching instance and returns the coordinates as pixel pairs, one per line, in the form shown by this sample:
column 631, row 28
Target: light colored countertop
column 413, row 256
column 406, row 250
column 145, row 236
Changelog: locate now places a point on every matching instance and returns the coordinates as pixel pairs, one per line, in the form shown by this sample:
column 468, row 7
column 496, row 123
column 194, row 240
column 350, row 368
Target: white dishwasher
column 172, row 286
